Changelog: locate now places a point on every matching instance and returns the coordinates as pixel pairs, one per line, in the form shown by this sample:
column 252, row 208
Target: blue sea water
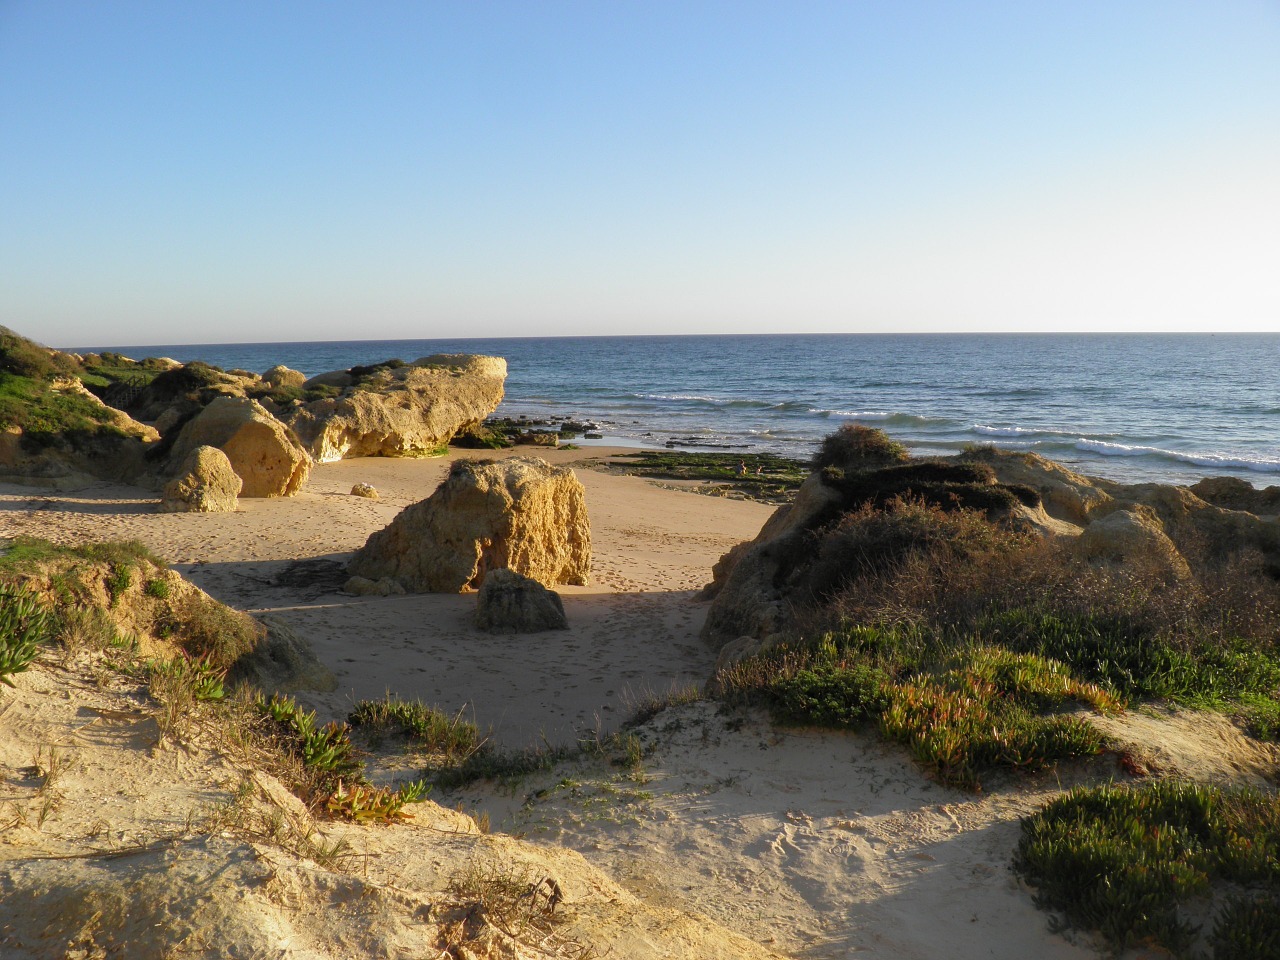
column 1171, row 408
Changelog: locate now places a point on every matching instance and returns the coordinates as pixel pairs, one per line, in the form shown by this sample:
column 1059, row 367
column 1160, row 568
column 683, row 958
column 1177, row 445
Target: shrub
column 961, row 709
column 182, row 381
column 24, row 626
column 855, row 447
column 1127, row 860
column 431, row 727
column 877, row 541
column 26, row 358
column 830, row 696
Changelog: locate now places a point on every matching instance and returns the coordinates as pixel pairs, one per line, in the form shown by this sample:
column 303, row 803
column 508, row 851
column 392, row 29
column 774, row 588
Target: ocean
column 1170, row 408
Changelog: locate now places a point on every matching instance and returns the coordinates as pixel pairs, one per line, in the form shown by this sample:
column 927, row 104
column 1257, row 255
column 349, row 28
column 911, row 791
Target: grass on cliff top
column 1138, row 863
column 767, row 477
column 45, row 414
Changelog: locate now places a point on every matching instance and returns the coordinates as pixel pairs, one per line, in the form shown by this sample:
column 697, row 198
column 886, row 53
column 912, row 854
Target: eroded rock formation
column 262, row 451
column 205, row 483
column 520, row 514
column 397, row 411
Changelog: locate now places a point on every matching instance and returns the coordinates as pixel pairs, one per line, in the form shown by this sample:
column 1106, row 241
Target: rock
column 520, row 514
column 1066, row 495
column 746, row 589
column 537, row 438
column 1133, row 535
column 281, row 376
column 262, row 451
column 382, row 587
column 399, row 411
column 205, row 483
column 365, row 490
column 1232, row 493
column 511, row 603
column 282, row 663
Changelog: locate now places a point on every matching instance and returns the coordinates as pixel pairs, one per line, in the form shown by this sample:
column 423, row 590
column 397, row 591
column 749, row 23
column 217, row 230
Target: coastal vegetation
column 757, row 476
column 1137, row 862
column 931, row 613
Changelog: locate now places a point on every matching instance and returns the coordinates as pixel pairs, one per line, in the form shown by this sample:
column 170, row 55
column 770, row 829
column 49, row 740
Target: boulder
column 281, row 376
column 1133, row 535
column 364, row 490
column 511, row 603
column 206, row 483
column 747, row 591
column 398, row 411
column 520, row 514
column 262, row 451
column 1232, row 493
column 1066, row 495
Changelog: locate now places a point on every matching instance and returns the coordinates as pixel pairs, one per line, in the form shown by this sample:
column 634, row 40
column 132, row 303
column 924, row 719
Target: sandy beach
column 813, row 844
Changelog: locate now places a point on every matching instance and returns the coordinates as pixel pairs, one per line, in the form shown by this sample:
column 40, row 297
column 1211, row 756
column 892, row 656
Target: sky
column 243, row 171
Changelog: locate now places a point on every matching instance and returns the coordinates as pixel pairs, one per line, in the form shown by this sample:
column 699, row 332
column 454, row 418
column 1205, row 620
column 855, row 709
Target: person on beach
column 742, row 468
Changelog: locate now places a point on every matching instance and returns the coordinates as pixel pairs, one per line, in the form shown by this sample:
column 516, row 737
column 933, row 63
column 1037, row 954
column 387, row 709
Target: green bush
column 26, row 358
column 962, row 709
column 1127, row 861
column 432, row 728
column 24, row 626
column 830, row 696
column 855, row 447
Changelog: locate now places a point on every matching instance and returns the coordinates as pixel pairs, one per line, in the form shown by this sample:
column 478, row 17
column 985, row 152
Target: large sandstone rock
column 399, row 411
column 1134, row 536
column 206, row 483
column 520, row 514
column 262, row 451
column 511, row 603
column 1232, row 493
column 1066, row 495
column 282, row 376
column 747, row 586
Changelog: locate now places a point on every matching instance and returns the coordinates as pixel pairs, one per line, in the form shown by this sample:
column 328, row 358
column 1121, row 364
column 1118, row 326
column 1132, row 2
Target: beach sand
column 816, row 844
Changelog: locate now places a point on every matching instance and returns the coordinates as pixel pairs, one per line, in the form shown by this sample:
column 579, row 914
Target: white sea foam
column 1223, row 460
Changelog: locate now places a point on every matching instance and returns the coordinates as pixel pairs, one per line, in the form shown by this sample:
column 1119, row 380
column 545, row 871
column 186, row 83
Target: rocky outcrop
column 757, row 586
column 1166, row 529
column 1132, row 535
column 94, row 442
column 511, row 603
column 520, row 514
column 746, row 582
column 262, row 451
column 1066, row 495
column 206, row 483
column 281, row 376
column 397, row 411
column 1232, row 493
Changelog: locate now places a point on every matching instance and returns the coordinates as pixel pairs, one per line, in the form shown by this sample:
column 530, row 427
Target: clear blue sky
column 235, row 171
